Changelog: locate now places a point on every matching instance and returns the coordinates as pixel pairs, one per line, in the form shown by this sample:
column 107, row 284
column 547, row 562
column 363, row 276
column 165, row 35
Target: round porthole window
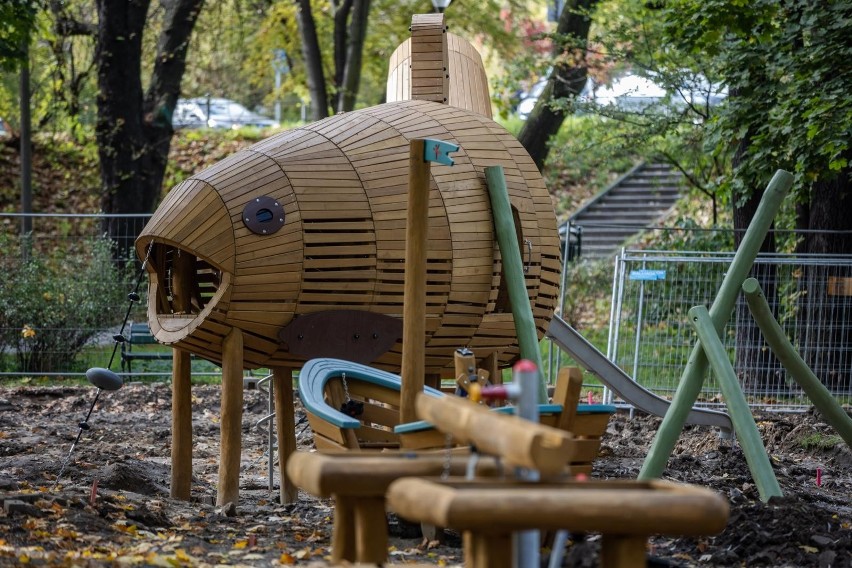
column 263, row 215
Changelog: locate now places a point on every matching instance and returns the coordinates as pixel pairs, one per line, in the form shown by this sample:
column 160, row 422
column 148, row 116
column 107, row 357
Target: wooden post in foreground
column 181, row 479
column 420, row 154
column 228, row 489
column 414, row 291
column 285, row 430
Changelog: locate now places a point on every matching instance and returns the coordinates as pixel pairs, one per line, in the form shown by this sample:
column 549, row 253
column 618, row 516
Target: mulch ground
column 112, row 507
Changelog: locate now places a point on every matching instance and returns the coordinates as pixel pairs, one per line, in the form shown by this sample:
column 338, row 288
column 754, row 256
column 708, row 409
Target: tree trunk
column 825, row 330
column 313, row 60
column 134, row 131
column 354, row 56
column 341, row 18
column 565, row 81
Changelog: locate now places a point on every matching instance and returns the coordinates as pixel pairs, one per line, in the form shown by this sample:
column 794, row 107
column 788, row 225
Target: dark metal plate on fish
column 353, row 335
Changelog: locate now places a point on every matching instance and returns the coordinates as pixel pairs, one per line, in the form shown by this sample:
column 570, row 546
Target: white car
column 216, row 113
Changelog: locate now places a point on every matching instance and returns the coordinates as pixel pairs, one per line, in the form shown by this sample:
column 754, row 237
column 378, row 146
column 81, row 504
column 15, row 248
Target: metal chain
column 448, row 444
column 345, row 387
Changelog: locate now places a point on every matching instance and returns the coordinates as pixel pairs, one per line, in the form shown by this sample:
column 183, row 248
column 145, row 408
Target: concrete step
column 627, row 208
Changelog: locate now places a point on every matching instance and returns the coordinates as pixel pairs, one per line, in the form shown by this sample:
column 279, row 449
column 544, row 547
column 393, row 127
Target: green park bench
column 140, row 334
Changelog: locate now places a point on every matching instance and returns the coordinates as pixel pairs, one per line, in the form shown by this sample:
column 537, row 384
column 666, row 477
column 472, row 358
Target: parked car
column 633, row 93
column 216, row 113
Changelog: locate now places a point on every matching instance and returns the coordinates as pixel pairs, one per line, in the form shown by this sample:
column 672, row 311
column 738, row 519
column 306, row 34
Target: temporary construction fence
column 651, row 338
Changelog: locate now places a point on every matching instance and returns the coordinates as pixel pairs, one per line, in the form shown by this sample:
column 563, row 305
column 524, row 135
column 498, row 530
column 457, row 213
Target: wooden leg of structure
column 181, row 483
column 231, row 419
column 285, row 429
column 343, row 532
column 488, row 550
column 619, row 551
column 371, row 530
column 491, row 364
column 433, row 380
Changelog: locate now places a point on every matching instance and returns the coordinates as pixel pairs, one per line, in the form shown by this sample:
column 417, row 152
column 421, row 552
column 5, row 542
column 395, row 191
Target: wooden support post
column 228, row 489
column 371, row 533
column 492, row 365
column 414, row 291
column 569, row 383
column 285, row 430
column 513, row 272
column 489, row 550
column 181, row 483
column 622, row 551
column 343, row 531
column 183, row 284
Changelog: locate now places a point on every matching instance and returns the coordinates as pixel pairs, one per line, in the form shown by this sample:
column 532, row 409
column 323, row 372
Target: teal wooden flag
column 438, row 151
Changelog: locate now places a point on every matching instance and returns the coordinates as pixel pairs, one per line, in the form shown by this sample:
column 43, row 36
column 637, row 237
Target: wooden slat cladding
column 430, row 80
column 342, row 183
column 465, row 79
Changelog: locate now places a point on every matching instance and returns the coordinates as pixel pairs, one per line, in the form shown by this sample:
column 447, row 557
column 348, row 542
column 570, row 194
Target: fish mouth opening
column 183, row 287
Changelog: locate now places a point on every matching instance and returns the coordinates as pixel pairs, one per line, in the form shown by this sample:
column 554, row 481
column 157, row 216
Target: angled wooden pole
column 793, row 362
column 228, row 489
column 746, row 429
column 692, row 378
column 513, row 271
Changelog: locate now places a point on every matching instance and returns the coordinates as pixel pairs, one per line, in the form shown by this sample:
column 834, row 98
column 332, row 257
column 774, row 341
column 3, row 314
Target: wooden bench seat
column 626, row 513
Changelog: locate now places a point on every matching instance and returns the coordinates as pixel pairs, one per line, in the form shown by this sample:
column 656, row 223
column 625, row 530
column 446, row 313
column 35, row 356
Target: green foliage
column 17, row 19
column 587, row 152
column 817, row 441
column 587, row 297
column 53, row 304
column 780, row 59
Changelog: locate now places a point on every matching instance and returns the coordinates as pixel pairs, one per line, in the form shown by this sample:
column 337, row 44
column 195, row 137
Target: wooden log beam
column 519, row 442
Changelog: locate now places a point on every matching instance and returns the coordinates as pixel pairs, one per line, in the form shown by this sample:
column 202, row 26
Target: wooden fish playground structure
column 358, row 250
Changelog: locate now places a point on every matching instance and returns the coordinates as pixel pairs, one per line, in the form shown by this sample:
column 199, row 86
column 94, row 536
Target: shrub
column 53, row 304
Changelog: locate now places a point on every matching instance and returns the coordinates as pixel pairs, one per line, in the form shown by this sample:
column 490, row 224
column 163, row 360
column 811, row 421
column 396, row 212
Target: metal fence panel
column 651, row 338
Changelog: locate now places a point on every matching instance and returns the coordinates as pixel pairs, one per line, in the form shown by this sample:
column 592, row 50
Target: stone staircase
column 638, row 199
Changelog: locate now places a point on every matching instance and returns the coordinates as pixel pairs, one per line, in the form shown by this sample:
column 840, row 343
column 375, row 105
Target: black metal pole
column 26, row 143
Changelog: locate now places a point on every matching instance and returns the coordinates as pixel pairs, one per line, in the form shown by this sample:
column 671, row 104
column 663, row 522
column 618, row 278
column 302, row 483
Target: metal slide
column 591, row 359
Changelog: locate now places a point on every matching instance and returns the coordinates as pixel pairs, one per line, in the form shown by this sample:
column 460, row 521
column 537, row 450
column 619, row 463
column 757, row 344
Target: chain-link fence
column 64, row 286
column 811, row 295
column 64, row 281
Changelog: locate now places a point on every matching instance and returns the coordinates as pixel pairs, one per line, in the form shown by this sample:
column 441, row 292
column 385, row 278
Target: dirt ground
column 112, row 507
